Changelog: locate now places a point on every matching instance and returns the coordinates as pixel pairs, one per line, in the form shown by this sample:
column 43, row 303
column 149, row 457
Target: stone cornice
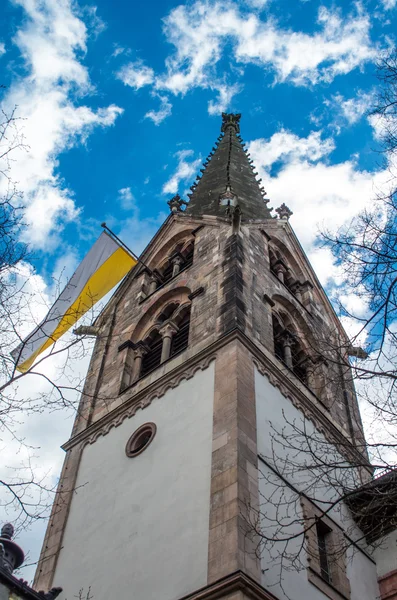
column 235, row 582
column 140, row 400
column 266, row 364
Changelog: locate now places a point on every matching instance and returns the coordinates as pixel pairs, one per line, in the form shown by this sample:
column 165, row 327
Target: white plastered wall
column 386, row 553
column 275, row 415
column 138, row 527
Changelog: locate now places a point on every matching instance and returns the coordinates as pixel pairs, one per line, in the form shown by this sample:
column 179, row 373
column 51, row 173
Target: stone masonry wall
column 233, row 270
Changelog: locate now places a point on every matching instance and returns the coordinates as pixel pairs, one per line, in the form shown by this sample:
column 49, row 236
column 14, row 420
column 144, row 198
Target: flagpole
column 126, row 247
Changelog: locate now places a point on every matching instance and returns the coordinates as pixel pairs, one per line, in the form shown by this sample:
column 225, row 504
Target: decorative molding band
column 236, row 582
column 126, row 344
column 141, row 400
column 265, row 363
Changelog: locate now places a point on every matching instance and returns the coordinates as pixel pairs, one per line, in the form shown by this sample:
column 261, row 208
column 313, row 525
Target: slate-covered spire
column 228, row 178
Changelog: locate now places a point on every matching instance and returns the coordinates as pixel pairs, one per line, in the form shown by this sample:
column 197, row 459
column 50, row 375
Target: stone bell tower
column 194, row 356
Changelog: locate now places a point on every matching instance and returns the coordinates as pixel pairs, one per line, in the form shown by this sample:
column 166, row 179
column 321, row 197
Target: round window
column 140, row 439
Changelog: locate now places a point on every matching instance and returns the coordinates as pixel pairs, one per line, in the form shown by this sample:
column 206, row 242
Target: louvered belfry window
column 181, row 339
column 152, row 358
column 189, row 257
column 277, row 333
column 167, row 274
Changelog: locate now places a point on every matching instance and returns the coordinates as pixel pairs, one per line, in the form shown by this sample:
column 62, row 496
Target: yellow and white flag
column 103, row 267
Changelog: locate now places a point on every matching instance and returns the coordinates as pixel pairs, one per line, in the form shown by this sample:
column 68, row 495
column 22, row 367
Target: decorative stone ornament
column 284, row 212
column 231, row 120
column 89, row 330
column 176, row 204
column 140, row 439
column 12, row 555
column 228, row 197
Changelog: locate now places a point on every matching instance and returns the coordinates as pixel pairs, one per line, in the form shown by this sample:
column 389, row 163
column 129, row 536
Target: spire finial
column 231, row 120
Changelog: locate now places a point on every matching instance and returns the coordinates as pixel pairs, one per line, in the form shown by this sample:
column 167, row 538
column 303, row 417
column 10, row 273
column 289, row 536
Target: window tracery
column 151, row 358
column 289, row 349
column 179, row 259
column 288, row 274
column 168, row 337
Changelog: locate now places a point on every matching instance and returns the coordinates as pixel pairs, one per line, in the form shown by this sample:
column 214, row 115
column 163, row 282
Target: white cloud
column 288, row 147
column 225, row 95
column 135, row 74
column 43, row 433
column 185, row 171
column 200, row 32
column 354, row 108
column 349, row 111
column 2, row 48
column 40, row 429
column 203, row 32
column 319, row 194
column 157, row 116
column 51, row 41
column 96, row 25
column 259, row 4
column 389, row 4
column 126, row 198
column 118, row 50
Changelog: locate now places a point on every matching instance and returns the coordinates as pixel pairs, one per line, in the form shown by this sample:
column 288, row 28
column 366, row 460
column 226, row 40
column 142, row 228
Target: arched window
column 152, row 358
column 167, row 312
column 288, row 347
column 278, row 330
column 179, row 259
column 170, row 337
column 273, row 258
column 281, row 268
column 166, row 273
column 181, row 338
column 299, row 362
column 188, row 253
column 290, row 281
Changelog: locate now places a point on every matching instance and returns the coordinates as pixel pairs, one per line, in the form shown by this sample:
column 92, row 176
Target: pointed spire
column 229, row 178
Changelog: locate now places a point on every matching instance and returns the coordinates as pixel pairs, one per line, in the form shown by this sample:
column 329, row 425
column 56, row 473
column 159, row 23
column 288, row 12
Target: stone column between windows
column 152, row 284
column 139, row 353
column 176, row 262
column 234, row 472
column 166, row 332
column 280, row 271
column 288, row 341
column 297, row 291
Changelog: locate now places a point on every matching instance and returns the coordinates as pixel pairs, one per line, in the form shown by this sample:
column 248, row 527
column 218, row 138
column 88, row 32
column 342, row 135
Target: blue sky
column 121, row 103
column 126, row 96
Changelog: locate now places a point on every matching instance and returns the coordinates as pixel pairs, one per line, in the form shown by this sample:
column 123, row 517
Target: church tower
column 173, row 481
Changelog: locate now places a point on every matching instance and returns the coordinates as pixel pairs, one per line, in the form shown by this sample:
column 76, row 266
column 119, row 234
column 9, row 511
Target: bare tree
column 25, row 495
